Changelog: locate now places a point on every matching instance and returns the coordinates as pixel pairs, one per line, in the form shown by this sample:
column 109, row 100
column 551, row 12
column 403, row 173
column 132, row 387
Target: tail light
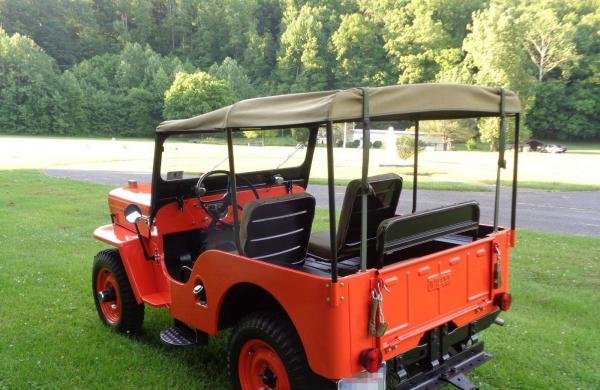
column 370, row 359
column 503, row 301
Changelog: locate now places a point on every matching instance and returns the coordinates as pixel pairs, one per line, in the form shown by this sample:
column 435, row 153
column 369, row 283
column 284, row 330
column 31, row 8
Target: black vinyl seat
column 403, row 232
column 277, row 229
column 381, row 204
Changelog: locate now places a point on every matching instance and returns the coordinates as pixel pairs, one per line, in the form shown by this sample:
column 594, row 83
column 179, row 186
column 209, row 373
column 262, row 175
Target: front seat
column 381, row 204
column 277, row 229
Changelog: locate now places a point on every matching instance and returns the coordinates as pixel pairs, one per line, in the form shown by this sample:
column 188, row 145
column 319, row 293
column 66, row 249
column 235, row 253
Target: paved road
column 559, row 212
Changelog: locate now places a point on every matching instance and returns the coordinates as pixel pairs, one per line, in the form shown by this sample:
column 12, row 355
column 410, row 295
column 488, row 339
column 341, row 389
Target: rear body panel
column 455, row 285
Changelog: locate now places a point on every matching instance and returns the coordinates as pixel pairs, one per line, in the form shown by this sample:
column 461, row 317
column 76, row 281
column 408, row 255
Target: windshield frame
column 167, row 191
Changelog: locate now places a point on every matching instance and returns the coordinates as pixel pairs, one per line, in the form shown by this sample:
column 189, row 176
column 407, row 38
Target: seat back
column 381, row 204
column 406, row 231
column 277, row 229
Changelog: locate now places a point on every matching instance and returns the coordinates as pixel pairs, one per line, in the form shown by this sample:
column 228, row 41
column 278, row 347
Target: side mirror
column 132, row 213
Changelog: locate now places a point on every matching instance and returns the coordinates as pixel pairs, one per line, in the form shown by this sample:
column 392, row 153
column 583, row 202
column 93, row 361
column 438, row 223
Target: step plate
column 178, row 336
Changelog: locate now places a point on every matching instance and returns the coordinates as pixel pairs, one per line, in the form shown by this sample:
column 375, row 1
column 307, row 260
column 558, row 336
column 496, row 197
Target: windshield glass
column 190, row 155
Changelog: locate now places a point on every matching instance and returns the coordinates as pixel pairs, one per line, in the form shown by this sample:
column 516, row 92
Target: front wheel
column 113, row 296
column 266, row 353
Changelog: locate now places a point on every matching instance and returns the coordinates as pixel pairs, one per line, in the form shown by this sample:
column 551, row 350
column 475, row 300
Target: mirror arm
column 140, row 237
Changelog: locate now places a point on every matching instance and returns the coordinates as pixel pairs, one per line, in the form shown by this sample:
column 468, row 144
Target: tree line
column 119, row 67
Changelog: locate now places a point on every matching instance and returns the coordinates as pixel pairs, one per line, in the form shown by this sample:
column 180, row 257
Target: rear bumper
column 450, row 372
column 443, row 357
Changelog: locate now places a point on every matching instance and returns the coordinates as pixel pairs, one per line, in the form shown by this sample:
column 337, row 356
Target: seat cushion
column 318, row 245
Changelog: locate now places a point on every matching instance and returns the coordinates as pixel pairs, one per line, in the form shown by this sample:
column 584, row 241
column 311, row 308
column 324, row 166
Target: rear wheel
column 113, row 296
column 265, row 353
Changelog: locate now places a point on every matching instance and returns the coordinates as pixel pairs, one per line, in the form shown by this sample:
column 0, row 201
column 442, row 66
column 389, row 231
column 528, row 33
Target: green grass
column 266, row 141
column 551, row 338
column 579, row 147
column 483, row 186
column 422, row 184
column 50, row 335
column 549, row 186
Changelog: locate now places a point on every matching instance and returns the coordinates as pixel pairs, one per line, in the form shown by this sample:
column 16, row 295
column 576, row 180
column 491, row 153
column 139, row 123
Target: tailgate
column 452, row 285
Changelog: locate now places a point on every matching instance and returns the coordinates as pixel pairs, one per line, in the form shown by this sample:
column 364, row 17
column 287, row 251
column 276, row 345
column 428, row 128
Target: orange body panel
column 147, row 278
column 323, row 327
column 453, row 285
column 119, row 198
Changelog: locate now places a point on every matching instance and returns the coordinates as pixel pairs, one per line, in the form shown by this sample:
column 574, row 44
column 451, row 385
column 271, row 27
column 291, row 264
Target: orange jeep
column 222, row 239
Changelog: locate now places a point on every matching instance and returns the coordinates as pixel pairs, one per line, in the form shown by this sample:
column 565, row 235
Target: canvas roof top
column 397, row 102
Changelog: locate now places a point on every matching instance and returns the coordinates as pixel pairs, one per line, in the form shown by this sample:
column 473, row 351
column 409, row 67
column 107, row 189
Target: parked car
column 534, row 145
column 552, row 148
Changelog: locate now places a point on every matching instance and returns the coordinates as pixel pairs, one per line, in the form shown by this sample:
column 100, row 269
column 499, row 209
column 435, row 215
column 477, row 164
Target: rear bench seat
column 403, row 232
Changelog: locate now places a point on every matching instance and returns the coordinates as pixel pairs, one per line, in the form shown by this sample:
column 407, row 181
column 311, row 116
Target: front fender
column 140, row 271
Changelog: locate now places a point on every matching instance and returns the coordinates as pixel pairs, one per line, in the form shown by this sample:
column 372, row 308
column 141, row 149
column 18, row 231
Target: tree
column 423, row 38
column 494, row 52
column 361, row 58
column 489, row 130
column 30, row 89
column 548, row 42
column 566, row 111
column 128, row 88
column 194, row 94
column 300, row 135
column 235, row 75
column 495, row 56
column 301, row 63
column 450, row 130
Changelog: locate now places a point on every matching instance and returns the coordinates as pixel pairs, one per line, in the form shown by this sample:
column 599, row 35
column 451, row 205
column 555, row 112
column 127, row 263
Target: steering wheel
column 218, row 208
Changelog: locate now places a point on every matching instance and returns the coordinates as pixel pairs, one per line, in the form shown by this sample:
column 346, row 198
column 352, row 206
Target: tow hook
column 499, row 321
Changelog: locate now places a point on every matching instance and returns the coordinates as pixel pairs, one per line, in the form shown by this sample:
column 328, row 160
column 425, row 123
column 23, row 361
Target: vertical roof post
column 365, row 184
column 513, row 211
column 415, row 167
column 501, row 160
column 331, row 193
column 233, row 192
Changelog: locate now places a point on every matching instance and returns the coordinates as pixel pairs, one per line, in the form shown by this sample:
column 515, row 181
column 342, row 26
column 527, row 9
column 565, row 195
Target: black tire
column 129, row 319
column 279, row 333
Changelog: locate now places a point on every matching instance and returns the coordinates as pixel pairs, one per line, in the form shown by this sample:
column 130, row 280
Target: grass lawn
column 423, row 184
column 50, row 335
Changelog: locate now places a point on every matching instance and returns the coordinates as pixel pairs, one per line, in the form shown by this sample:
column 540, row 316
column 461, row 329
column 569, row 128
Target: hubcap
column 260, row 367
column 109, row 299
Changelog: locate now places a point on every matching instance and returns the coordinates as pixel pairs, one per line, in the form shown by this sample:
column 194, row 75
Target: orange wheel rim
column 111, row 310
column 261, row 368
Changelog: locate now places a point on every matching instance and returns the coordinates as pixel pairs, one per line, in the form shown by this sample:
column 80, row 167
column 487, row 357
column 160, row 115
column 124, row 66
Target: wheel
column 265, row 353
column 113, row 295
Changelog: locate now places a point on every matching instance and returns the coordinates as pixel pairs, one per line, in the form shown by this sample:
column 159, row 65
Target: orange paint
column 455, row 285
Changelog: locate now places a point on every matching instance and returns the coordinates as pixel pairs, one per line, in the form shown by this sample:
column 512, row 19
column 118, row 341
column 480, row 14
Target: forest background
column 119, row 67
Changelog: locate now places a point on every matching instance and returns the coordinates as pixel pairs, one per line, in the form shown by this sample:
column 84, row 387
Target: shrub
column 377, row 144
column 353, row 144
column 406, row 147
column 471, row 144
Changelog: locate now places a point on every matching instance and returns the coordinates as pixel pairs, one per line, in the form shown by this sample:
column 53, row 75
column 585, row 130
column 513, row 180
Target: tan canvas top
column 413, row 101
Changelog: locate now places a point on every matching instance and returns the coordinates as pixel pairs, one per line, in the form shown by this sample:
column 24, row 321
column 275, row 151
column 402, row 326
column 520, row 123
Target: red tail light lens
column 370, row 359
column 503, row 301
